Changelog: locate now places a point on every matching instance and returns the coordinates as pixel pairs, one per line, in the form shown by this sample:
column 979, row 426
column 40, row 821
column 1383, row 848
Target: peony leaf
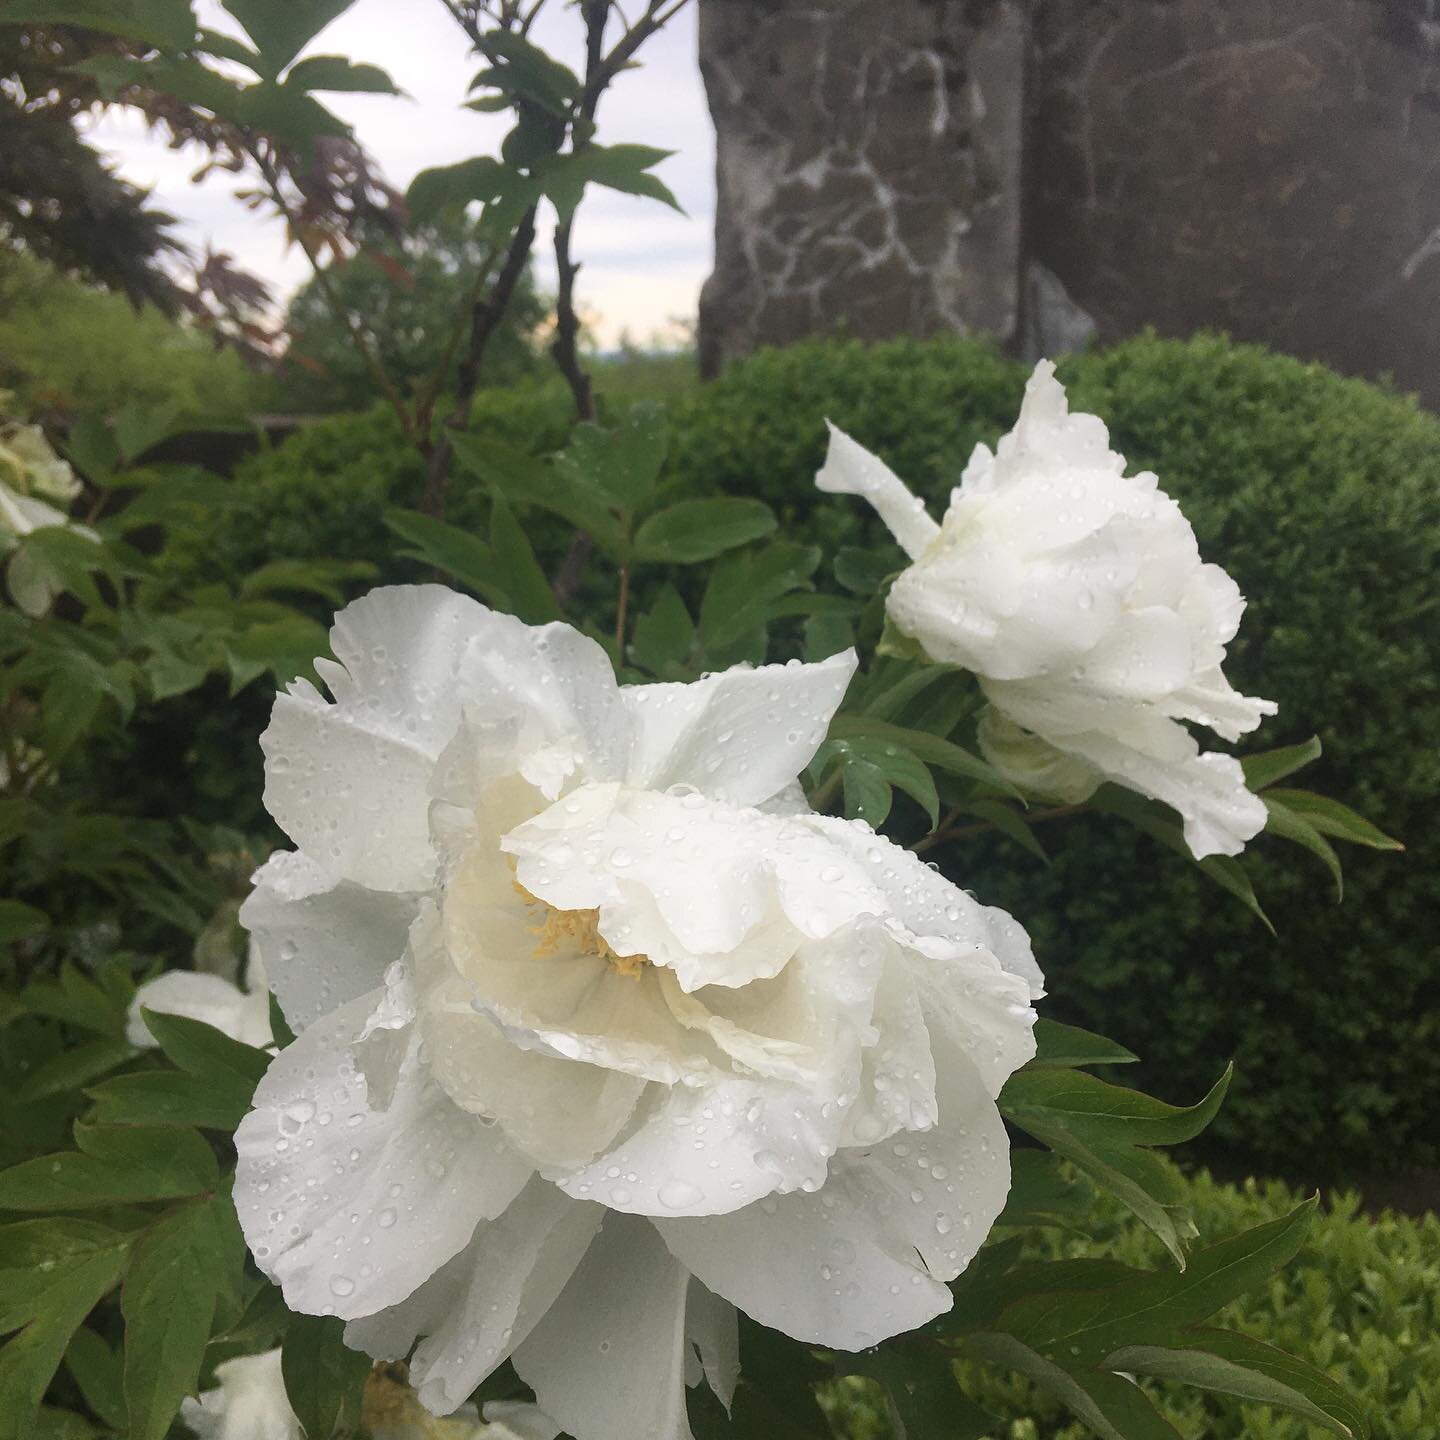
column 1069, row 1046
column 323, row 1378
column 1272, row 765
column 115, row 1165
column 1332, row 818
column 695, row 530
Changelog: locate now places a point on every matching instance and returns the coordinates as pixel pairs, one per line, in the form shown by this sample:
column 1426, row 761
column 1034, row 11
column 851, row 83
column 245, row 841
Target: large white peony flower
column 600, row 1031
column 1078, row 597
column 248, row 1402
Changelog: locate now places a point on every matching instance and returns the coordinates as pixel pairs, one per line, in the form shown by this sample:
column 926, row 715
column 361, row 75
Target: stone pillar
column 1267, row 167
column 868, row 166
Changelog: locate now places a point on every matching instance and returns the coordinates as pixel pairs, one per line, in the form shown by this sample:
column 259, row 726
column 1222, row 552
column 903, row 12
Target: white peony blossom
column 1078, row 597
column 247, row 1403
column 598, row 1037
column 243, row 1014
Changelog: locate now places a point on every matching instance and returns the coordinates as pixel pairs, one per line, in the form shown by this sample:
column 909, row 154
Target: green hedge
column 1361, row 1302
column 1320, row 495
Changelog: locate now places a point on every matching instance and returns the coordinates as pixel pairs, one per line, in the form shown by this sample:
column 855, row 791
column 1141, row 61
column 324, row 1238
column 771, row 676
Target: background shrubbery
column 1361, row 1302
column 1320, row 495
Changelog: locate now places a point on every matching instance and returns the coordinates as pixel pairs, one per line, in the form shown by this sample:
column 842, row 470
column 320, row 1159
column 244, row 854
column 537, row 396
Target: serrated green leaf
column 323, row 1378
column 694, row 530
column 1272, row 765
column 163, row 23
column 442, row 187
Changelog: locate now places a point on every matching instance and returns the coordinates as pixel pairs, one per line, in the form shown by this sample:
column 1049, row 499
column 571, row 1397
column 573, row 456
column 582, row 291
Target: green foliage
column 68, row 347
column 409, row 294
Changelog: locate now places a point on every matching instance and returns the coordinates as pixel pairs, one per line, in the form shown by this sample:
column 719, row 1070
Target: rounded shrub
column 1321, row 496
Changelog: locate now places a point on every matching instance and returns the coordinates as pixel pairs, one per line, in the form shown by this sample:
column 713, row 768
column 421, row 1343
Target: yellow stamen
column 574, row 930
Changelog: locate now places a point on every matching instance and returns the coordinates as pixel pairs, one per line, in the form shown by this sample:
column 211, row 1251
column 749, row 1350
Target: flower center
column 574, row 931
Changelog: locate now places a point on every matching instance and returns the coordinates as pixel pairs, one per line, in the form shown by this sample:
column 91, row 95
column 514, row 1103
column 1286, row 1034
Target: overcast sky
column 644, row 264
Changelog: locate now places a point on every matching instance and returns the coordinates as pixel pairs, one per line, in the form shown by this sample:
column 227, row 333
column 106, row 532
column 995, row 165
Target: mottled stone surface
column 1270, row 167
column 868, row 165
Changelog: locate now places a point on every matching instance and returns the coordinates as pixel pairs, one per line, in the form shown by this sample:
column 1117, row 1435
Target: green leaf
column 618, row 167
column 1008, row 821
column 19, row 921
column 517, row 569
column 74, row 998
column 165, row 1097
column 1042, row 1192
column 115, row 1165
column 921, row 1392
column 323, row 1378
column 1212, row 1372
column 894, row 764
column 99, row 1372
column 168, row 24
column 665, row 635
column 337, row 73
column 1159, row 1306
column 1272, row 765
column 230, row 1068
column 1154, row 820
column 54, row 1272
column 1070, row 1047
column 623, row 460
column 942, row 754
column 1112, row 1407
column 73, row 1067
column 455, row 551
column 555, row 487
column 326, row 578
column 281, row 29
column 745, row 586
column 695, row 530
column 868, row 795
column 1100, row 1128
column 1284, row 822
column 169, row 1305
column 442, row 187
column 862, row 572
column 1332, row 818
column 521, row 69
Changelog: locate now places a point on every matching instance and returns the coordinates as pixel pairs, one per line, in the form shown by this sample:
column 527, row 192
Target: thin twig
column 621, row 605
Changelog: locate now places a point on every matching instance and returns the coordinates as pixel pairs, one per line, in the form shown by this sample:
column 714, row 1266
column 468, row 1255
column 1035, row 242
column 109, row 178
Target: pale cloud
column 643, row 264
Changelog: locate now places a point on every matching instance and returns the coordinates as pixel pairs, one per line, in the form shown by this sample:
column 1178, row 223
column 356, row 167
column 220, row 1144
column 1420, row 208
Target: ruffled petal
column 713, row 1329
column 483, row 1303
column 850, row 469
column 348, row 781
column 349, row 1206
column 706, row 1150
column 866, row 1257
column 324, row 942
column 740, row 735
column 608, row 1360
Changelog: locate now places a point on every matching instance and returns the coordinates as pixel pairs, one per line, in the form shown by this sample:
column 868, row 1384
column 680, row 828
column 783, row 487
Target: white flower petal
column 486, row 1300
column 608, row 1360
column 864, row 1258
column 708, row 1149
column 741, row 735
column 323, row 941
column 208, row 998
column 850, row 469
column 518, row 1420
column 316, row 1151
column 248, row 1402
